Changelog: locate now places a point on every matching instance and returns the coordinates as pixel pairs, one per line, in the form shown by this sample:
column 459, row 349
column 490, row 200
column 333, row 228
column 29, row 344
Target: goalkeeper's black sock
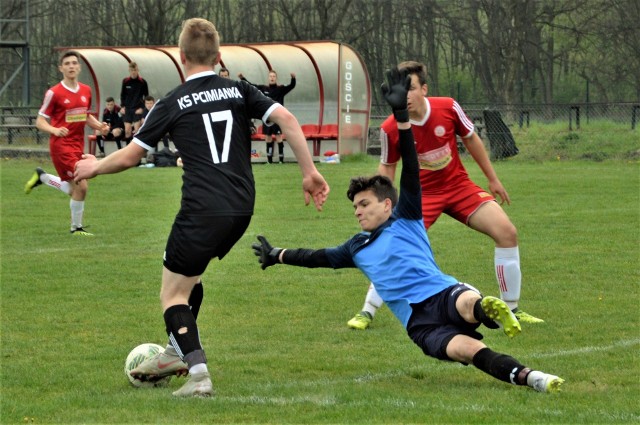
column 501, row 366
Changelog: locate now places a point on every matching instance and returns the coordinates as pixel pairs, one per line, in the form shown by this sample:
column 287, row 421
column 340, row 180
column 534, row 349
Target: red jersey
column 68, row 108
column 436, row 145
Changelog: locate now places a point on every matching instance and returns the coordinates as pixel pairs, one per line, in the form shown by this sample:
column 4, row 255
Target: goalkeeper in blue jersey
column 440, row 314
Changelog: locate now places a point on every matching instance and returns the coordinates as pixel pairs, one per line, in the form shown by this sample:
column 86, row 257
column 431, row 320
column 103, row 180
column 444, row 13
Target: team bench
column 312, row 132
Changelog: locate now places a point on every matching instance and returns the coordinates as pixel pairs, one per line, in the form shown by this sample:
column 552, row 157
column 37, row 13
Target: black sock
column 195, row 299
column 270, row 151
column 501, row 366
column 281, row 152
column 482, row 317
column 183, row 334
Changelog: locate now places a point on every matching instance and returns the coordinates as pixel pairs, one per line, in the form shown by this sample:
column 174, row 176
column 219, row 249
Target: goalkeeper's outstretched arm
column 268, row 255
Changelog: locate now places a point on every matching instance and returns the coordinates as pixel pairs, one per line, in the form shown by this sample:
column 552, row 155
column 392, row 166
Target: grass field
column 277, row 342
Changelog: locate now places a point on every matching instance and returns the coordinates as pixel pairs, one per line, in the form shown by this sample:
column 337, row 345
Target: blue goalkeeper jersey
column 397, row 256
column 398, row 259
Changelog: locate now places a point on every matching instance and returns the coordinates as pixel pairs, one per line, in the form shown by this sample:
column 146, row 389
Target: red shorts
column 459, row 201
column 64, row 156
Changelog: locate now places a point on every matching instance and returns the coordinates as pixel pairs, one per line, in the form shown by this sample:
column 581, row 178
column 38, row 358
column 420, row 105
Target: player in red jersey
column 446, row 186
column 64, row 113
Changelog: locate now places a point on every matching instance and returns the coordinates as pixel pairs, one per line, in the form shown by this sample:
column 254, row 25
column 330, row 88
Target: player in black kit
column 208, row 118
column 132, row 93
column 276, row 92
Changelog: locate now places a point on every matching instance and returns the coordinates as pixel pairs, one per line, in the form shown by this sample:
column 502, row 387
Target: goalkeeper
column 441, row 315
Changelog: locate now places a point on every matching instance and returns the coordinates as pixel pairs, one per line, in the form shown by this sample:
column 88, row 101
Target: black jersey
column 274, row 91
column 133, row 92
column 209, row 120
column 113, row 118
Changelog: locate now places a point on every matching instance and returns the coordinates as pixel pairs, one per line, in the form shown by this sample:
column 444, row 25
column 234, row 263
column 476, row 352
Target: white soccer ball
column 138, row 355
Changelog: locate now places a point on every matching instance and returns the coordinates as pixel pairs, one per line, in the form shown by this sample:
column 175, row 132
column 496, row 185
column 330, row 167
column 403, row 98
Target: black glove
column 267, row 255
column 395, row 93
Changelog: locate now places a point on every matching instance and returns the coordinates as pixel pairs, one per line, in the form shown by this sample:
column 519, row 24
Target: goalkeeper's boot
column 544, row 382
column 79, row 231
column 524, row 317
column 198, row 385
column 34, row 181
column 162, row 364
column 498, row 311
column 360, row 321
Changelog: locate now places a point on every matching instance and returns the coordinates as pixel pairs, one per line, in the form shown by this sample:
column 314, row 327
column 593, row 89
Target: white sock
column 77, row 210
column 198, row 368
column 56, row 183
column 507, row 263
column 372, row 302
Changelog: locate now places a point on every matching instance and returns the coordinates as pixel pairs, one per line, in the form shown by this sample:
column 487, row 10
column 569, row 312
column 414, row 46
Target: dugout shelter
column 331, row 100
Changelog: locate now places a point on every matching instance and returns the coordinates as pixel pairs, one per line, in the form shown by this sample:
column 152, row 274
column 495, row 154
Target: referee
column 209, row 119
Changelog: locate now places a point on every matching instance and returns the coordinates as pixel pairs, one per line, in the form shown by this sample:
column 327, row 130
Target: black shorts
column 435, row 321
column 110, row 137
column 130, row 115
column 271, row 130
column 195, row 240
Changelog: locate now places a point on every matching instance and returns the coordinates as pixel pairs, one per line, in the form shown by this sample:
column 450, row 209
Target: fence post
column 577, row 109
column 524, row 113
column 634, row 116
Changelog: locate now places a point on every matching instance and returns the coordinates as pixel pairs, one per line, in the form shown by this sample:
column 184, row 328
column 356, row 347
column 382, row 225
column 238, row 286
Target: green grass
column 598, row 141
column 277, row 342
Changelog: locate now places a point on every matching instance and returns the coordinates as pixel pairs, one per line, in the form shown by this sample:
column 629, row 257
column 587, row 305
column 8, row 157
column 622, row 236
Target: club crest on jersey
column 439, row 131
column 84, row 99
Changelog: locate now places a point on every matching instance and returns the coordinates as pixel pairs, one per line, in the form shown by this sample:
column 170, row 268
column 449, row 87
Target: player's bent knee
column 462, row 348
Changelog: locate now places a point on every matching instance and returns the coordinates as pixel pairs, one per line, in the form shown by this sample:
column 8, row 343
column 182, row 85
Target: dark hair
column 223, row 69
column 151, row 98
column 66, row 54
column 381, row 186
column 413, row 67
column 109, row 99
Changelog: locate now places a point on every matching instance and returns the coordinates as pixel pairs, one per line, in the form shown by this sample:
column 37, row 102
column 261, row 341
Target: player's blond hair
column 199, row 41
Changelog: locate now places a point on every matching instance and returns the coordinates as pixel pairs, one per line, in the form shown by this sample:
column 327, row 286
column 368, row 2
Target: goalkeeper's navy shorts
column 435, row 321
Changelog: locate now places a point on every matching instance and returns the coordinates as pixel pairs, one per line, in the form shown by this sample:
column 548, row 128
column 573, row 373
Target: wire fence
column 531, row 131
column 522, row 115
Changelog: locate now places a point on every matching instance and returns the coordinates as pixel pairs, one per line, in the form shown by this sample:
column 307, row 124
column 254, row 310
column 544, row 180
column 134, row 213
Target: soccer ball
column 138, row 355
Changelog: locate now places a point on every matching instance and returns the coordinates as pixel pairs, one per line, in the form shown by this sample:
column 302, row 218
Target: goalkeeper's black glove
column 267, row 255
column 395, row 93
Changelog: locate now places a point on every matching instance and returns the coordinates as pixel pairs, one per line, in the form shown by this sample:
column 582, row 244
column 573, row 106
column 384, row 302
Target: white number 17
column 217, row 117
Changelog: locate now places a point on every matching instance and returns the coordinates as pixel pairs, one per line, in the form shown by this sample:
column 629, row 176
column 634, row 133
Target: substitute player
column 276, row 92
column 209, row 120
column 447, row 188
column 132, row 93
column 64, row 113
